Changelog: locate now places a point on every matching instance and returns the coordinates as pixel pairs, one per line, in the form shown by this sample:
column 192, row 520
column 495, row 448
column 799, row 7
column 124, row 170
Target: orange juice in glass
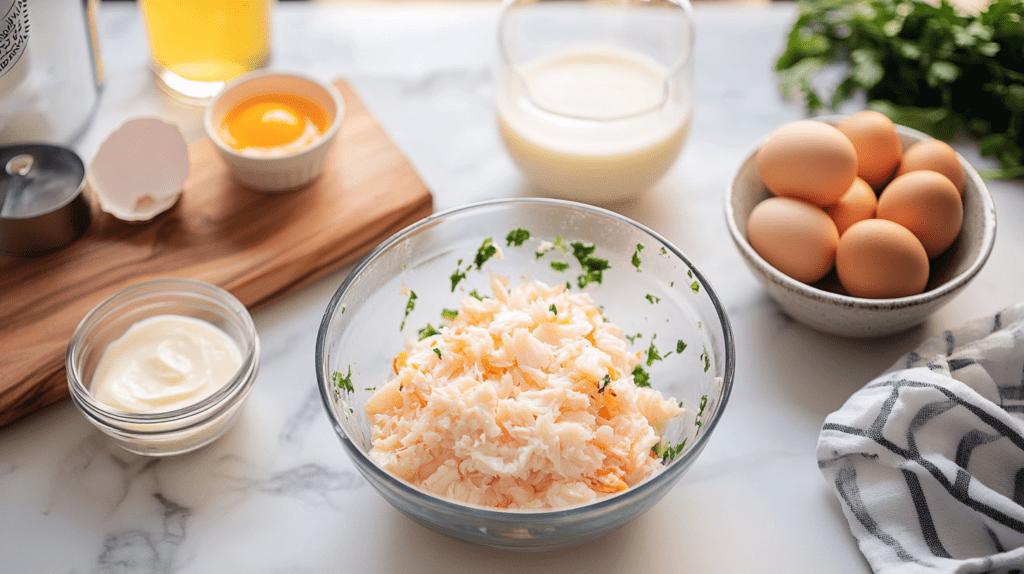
column 199, row 45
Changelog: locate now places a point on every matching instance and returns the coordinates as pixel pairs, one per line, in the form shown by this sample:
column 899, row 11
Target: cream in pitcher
column 618, row 131
column 594, row 100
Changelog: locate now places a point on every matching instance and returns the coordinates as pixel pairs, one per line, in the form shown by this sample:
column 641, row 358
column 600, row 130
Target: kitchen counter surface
column 277, row 493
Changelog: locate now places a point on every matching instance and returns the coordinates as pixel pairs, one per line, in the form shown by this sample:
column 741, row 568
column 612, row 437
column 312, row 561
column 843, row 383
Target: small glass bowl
column 175, row 431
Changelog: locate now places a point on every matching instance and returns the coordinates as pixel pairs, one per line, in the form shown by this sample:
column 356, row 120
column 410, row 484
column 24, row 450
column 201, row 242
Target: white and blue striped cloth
column 928, row 459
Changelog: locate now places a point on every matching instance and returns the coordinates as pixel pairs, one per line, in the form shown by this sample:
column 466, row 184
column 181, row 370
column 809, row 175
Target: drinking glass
column 199, row 45
column 594, row 98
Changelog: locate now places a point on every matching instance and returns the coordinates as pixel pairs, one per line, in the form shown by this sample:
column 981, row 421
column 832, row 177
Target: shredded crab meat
column 516, row 405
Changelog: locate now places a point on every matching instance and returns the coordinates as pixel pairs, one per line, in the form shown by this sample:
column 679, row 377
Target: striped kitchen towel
column 928, row 459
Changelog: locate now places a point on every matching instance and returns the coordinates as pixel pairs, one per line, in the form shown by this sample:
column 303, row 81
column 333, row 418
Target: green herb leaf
column 680, row 346
column 652, row 299
column 607, row 380
column 695, row 287
column 458, row 275
column 636, row 256
column 437, row 352
column 484, row 252
column 668, row 453
column 517, row 237
column 559, row 265
column 640, row 377
column 428, row 331
column 652, row 353
column 409, row 306
column 475, row 295
column 706, row 358
column 593, row 267
column 342, row 383
column 449, row 314
column 553, row 309
column 699, row 421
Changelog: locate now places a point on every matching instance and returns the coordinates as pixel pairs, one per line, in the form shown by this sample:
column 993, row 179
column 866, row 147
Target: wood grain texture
column 257, row 246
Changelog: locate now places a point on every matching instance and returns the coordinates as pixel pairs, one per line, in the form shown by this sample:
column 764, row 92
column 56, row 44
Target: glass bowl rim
column 670, row 472
column 208, row 408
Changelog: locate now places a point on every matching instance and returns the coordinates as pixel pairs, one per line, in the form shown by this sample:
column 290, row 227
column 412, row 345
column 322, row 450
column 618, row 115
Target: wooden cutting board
column 257, row 246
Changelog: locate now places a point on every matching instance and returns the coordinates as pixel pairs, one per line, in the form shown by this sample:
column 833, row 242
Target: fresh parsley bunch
column 932, row 68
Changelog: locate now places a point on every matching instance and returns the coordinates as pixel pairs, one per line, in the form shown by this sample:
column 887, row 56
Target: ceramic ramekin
column 285, row 172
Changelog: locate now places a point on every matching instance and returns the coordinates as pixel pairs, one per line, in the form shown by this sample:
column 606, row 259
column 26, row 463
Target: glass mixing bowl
column 653, row 290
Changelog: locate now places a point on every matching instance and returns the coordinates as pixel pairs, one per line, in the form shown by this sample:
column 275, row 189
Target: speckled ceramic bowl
column 824, row 305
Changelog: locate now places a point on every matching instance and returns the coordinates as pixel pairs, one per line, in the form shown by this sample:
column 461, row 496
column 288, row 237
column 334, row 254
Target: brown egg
column 935, row 155
column 858, row 203
column 878, row 145
column 795, row 237
column 809, row 160
column 926, row 203
column 880, row 259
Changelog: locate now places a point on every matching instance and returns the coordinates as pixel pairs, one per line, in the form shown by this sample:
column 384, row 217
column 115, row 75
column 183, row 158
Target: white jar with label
column 50, row 70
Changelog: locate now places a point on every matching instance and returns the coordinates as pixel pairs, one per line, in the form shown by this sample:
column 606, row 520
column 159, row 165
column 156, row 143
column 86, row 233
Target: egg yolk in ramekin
column 273, row 124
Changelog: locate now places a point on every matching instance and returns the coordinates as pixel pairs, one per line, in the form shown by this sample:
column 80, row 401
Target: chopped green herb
column 559, row 265
column 449, row 314
column 695, row 287
column 409, row 306
column 593, row 267
column 663, row 250
column 689, row 273
column 517, row 237
column 428, row 331
column 640, row 377
column 475, row 295
column 633, row 339
column 553, row 309
column 437, row 352
column 700, row 412
column 459, row 274
column 370, row 389
column 342, row 382
column 700, row 325
column 582, row 251
column 671, row 283
column 604, row 383
column 652, row 299
column 652, row 353
column 707, row 359
column 680, row 346
column 636, row 256
column 343, row 309
column 485, row 252
column 669, row 452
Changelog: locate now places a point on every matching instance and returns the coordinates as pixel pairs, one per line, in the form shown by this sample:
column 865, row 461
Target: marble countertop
column 277, row 493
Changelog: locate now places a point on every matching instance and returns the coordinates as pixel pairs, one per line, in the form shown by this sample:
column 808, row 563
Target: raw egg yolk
column 266, row 125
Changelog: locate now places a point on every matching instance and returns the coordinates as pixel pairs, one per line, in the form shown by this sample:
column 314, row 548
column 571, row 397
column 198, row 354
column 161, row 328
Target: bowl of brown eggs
column 857, row 226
